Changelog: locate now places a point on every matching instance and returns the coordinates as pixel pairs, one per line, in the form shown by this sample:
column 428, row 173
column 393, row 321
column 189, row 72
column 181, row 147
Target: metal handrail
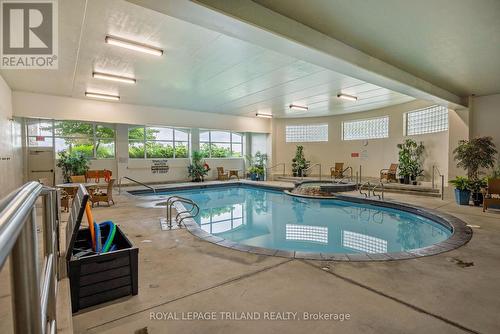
column 130, row 179
column 381, row 195
column 434, row 168
column 170, row 202
column 349, row 167
column 279, row 164
column 368, row 184
column 33, row 295
column 310, row 167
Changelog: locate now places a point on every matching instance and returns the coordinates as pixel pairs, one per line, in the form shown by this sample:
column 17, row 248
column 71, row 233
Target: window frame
column 231, row 142
column 343, row 129
column 92, row 138
column 145, row 141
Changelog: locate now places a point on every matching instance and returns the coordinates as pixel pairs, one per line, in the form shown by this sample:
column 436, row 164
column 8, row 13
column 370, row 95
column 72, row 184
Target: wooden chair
column 389, row 173
column 337, row 172
column 78, row 178
column 98, row 196
column 492, row 195
column 221, row 175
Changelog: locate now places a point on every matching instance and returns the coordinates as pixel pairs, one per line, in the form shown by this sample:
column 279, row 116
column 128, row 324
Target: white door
column 41, row 164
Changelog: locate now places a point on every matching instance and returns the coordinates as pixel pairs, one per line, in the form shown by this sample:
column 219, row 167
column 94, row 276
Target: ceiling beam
column 253, row 23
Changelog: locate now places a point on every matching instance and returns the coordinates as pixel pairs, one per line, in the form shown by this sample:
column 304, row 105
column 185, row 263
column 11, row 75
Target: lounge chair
column 337, row 172
column 389, row 173
column 99, row 196
column 78, row 178
column 492, row 195
column 221, row 175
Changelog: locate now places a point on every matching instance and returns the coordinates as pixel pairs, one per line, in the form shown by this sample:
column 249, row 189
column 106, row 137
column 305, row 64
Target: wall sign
column 159, row 166
column 354, row 155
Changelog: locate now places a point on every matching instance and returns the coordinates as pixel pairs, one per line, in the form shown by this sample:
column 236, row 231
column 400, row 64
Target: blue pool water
column 272, row 219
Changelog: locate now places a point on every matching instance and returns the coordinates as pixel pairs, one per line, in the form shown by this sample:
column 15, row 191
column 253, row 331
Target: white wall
column 11, row 168
column 378, row 154
column 67, row 108
column 485, row 117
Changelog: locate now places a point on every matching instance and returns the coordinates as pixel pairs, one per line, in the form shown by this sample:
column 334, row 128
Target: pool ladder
column 188, row 213
column 371, row 189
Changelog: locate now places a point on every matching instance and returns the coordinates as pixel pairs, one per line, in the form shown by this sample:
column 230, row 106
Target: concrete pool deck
column 453, row 292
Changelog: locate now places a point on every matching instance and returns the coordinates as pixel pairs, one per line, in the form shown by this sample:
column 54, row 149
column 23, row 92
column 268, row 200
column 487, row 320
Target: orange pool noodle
column 90, row 219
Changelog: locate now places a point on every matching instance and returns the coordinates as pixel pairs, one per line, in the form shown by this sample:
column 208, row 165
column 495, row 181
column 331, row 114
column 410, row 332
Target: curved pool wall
column 449, row 232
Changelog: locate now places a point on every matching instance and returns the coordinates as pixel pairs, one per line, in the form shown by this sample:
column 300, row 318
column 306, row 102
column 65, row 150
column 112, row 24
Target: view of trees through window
column 221, row 144
column 157, row 142
column 93, row 140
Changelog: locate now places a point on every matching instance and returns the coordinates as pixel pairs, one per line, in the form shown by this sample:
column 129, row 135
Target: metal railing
column 434, row 170
column 173, row 199
column 367, row 184
column 381, row 195
column 308, row 168
column 371, row 190
column 269, row 168
column 135, row 181
column 33, row 294
column 348, row 178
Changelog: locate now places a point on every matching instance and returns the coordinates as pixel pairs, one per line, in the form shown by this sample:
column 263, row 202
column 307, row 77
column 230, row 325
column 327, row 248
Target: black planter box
column 98, row 278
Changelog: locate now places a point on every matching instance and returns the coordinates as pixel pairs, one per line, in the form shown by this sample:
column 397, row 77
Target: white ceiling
column 201, row 69
column 454, row 44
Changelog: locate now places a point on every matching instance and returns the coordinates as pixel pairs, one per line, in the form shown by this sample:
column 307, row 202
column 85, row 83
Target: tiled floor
column 453, row 292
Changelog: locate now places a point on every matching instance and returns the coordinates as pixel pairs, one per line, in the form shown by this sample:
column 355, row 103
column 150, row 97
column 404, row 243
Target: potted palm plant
column 299, row 162
column 198, row 169
column 410, row 161
column 74, row 163
column 257, row 165
column 473, row 156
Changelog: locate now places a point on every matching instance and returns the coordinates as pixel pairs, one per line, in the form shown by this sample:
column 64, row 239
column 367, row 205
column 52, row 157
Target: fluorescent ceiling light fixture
column 259, row 114
column 112, row 77
column 131, row 45
column 102, row 96
column 297, row 107
column 347, row 97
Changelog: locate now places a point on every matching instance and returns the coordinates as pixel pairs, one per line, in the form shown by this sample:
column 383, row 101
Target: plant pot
column 401, row 180
column 462, row 197
column 477, row 198
column 407, row 179
column 253, row 176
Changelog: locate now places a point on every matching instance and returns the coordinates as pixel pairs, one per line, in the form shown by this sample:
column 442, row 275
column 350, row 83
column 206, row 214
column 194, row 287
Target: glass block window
column 372, row 128
column 427, row 120
column 306, row 133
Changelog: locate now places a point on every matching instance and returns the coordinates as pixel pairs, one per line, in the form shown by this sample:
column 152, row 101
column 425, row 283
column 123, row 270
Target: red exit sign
column 354, row 155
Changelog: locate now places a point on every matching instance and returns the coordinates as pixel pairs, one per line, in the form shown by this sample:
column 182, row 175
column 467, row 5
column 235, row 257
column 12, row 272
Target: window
column 93, row 140
column 366, row 128
column 221, row 144
column 157, row 142
column 427, row 120
column 306, row 133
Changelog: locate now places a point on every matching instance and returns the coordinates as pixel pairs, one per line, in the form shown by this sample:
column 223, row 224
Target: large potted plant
column 299, row 162
column 71, row 164
column 198, row 169
column 257, row 165
column 473, row 156
column 410, row 160
column 462, row 190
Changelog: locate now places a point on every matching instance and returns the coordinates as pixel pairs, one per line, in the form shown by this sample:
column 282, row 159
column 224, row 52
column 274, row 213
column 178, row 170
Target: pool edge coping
column 461, row 234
